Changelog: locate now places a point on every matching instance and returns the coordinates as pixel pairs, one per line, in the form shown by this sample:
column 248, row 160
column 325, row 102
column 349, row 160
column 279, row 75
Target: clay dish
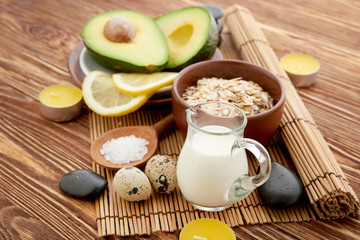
column 260, row 127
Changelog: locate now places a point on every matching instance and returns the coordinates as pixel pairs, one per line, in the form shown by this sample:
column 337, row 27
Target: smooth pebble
column 282, row 189
column 216, row 11
column 219, row 25
column 82, row 183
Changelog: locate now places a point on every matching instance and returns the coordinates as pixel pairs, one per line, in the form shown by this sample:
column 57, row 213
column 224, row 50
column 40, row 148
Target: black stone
column 216, row 11
column 219, row 41
column 82, row 183
column 282, row 189
column 219, row 25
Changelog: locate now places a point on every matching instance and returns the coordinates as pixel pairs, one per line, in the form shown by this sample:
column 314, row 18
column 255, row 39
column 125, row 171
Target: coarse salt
column 124, row 149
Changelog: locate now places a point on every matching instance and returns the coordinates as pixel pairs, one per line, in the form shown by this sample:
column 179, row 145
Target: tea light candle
column 301, row 68
column 207, row 229
column 61, row 103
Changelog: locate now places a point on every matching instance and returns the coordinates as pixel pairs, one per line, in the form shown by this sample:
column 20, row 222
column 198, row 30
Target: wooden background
column 36, row 38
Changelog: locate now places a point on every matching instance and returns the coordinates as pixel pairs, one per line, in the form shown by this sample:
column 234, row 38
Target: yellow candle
column 61, row 103
column 302, row 69
column 60, row 96
column 300, row 64
column 207, row 229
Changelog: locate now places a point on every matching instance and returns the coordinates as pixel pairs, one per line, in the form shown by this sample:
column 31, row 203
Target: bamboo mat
column 172, row 212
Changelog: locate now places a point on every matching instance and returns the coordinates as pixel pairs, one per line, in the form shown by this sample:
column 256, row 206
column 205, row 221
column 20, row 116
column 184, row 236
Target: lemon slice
column 102, row 97
column 138, row 83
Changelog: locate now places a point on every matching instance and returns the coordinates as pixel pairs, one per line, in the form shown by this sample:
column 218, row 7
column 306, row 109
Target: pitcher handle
column 245, row 183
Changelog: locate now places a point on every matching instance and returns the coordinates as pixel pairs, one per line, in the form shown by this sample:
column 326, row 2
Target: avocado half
column 191, row 34
column 147, row 52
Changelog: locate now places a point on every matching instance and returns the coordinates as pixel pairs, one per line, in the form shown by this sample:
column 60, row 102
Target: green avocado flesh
column 147, row 52
column 191, row 34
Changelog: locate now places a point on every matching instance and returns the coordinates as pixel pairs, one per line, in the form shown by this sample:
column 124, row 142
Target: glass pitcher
column 212, row 168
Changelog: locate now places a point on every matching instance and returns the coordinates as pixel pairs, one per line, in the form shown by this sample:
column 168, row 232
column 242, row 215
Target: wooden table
column 35, row 42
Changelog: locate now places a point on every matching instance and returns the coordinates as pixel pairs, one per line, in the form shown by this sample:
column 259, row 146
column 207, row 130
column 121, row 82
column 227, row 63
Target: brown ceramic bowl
column 260, row 127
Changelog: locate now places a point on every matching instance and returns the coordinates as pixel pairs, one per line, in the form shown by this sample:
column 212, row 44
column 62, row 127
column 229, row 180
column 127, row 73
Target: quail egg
column 131, row 184
column 161, row 171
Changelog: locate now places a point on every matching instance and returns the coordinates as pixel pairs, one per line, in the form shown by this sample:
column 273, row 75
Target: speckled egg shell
column 161, row 171
column 131, row 184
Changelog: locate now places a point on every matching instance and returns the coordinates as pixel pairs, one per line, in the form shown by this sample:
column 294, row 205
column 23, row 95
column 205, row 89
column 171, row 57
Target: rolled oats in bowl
column 247, row 95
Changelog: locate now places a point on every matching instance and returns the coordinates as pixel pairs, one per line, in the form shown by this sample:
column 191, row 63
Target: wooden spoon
column 150, row 133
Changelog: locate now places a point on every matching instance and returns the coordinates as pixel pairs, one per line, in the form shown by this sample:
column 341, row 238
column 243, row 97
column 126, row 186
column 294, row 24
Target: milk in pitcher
column 207, row 167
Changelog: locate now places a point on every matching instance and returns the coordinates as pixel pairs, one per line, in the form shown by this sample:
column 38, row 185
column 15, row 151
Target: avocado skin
column 206, row 52
column 121, row 66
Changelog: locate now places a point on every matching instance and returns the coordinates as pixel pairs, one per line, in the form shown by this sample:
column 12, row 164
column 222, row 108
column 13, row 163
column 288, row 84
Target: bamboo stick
column 111, row 202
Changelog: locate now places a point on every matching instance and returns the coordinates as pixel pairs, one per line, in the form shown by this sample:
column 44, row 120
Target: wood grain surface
column 36, row 38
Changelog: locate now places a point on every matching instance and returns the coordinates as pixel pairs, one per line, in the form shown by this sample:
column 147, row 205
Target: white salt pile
column 124, row 149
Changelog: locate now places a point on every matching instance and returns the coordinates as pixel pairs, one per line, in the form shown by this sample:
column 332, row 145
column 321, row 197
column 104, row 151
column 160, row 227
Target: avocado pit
column 119, row 29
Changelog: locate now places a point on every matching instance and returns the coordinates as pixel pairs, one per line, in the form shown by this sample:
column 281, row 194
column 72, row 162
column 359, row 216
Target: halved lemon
column 139, row 83
column 102, row 97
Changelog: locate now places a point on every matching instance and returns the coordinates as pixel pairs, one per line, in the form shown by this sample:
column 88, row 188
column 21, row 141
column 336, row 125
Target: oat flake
column 247, row 95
